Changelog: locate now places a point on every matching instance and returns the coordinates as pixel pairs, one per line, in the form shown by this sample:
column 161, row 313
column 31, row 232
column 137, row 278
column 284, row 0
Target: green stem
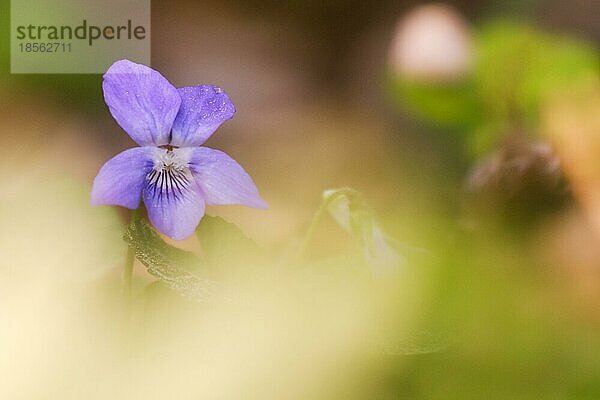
column 308, row 237
column 129, row 259
column 310, row 233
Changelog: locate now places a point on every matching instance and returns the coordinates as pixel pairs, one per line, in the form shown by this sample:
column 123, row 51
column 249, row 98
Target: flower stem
column 317, row 218
column 310, row 232
column 129, row 259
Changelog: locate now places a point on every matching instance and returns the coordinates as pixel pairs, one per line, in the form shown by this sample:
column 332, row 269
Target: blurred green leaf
column 178, row 269
column 518, row 69
column 448, row 103
column 561, row 65
column 518, row 66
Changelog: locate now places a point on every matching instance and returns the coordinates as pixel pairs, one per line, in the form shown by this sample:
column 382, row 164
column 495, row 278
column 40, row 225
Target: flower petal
column 203, row 109
column 121, row 179
column 222, row 180
column 174, row 203
column 142, row 101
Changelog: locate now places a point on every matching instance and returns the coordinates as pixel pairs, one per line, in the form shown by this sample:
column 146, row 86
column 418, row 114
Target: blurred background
column 471, row 129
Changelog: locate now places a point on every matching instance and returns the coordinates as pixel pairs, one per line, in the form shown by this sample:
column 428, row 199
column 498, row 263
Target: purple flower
column 170, row 171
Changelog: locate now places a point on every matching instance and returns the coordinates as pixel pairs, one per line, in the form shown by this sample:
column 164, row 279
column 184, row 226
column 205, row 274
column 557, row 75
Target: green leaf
column 225, row 246
column 453, row 104
column 180, row 270
column 562, row 65
column 519, row 68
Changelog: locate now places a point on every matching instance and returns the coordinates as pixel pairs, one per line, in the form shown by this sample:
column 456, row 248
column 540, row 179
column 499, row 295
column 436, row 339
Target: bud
column 522, row 179
column 432, row 43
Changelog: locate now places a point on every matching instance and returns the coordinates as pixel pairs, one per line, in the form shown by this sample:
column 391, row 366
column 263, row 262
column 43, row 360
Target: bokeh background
column 472, row 130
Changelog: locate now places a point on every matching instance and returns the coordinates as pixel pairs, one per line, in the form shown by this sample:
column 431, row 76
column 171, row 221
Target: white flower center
column 171, row 176
column 170, row 159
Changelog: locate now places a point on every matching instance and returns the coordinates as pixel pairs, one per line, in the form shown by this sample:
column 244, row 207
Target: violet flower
column 171, row 172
